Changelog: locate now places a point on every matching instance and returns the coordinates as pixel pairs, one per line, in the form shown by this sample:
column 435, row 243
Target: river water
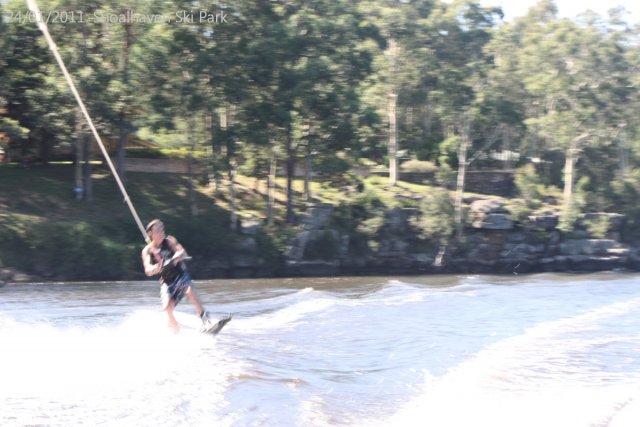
column 540, row 350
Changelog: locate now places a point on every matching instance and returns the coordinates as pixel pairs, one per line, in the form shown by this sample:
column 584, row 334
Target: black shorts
column 175, row 290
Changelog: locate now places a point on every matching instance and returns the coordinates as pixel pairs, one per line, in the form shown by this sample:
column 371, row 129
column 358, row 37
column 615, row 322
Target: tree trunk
column 623, row 155
column 569, row 173
column 393, row 140
column 569, row 164
column 462, row 170
column 191, row 186
column 271, row 182
column 290, row 167
column 307, row 173
column 122, row 119
column 232, row 192
column 88, row 182
column 392, row 107
column 78, row 188
column 506, row 147
column 122, row 138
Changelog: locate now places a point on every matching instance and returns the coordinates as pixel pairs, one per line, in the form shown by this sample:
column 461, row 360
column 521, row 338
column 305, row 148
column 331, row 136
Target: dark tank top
column 171, row 272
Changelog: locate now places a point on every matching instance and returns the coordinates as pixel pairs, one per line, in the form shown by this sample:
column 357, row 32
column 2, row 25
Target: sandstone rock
column 318, row 218
column 488, row 206
column 493, row 221
column 397, row 220
column 586, row 246
column 543, row 222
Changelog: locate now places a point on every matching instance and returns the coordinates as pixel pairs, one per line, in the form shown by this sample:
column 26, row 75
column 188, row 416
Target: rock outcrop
column 494, row 244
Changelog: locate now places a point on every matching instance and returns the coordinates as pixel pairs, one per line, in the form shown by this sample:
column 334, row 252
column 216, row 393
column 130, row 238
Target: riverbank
column 48, row 235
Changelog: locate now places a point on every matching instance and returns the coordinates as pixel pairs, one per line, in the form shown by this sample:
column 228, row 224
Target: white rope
column 35, row 10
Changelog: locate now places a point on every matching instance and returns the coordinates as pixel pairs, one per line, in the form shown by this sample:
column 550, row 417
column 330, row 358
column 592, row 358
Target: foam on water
column 548, row 376
column 134, row 372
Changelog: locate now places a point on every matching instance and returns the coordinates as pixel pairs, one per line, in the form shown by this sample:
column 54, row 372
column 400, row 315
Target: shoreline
column 30, row 280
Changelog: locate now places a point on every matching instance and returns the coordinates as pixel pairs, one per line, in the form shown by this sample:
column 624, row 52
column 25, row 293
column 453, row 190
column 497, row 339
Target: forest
column 310, row 92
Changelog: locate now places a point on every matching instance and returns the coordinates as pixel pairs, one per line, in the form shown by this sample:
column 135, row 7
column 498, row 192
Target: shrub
column 449, row 152
column 446, row 176
column 598, row 227
column 421, row 166
column 626, row 192
column 529, row 185
column 73, row 251
column 519, row 209
column 436, row 215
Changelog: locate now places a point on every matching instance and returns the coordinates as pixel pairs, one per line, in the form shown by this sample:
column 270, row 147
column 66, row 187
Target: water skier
column 164, row 256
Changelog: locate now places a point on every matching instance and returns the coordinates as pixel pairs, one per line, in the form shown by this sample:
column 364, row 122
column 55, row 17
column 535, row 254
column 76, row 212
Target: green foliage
column 626, row 191
column 78, row 251
column 529, row 185
column 446, row 176
column 570, row 217
column 449, row 151
column 436, row 216
column 164, row 153
column 333, row 169
column 278, row 238
column 207, row 237
column 351, row 213
column 11, row 130
column 598, row 227
column 293, row 75
column 422, row 166
column 519, row 209
column 361, row 218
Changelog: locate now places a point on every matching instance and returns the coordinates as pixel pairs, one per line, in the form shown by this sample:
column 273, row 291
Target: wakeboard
column 216, row 327
column 193, row 322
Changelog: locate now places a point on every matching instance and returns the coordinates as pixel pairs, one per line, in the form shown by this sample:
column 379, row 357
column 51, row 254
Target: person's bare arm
column 150, row 269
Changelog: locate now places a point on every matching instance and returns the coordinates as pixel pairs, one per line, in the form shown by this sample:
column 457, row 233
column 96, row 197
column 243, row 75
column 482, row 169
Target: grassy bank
column 45, row 231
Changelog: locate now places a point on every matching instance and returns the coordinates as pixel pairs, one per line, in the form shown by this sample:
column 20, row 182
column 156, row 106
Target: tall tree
column 577, row 74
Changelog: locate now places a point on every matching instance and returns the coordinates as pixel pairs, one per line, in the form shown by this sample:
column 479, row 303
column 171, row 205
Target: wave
column 549, row 375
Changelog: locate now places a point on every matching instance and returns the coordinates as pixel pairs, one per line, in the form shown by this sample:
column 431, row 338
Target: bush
column 529, row 185
column 350, row 214
column 420, row 166
column 73, row 251
column 598, row 227
column 334, row 170
column 362, row 218
column 448, row 150
column 446, row 176
column 436, row 216
column 578, row 202
column 163, row 153
column 519, row 209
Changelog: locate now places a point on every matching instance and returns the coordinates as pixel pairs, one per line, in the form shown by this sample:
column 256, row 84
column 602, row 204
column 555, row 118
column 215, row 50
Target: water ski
column 215, row 328
column 193, row 322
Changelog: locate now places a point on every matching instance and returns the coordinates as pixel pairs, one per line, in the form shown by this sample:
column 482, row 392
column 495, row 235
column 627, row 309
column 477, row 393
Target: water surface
column 541, row 350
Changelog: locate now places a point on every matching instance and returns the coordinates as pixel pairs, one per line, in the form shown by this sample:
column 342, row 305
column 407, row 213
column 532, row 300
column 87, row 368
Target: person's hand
column 158, row 269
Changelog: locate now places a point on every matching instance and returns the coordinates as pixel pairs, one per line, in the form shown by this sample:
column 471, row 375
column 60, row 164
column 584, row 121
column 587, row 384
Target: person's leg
column 194, row 299
column 173, row 323
column 168, row 305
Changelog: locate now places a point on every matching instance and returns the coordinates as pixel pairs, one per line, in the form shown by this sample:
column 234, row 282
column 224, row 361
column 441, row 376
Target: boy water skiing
column 164, row 256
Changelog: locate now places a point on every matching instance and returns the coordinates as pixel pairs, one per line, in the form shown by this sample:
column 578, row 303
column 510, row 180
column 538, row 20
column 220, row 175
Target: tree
column 578, row 76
